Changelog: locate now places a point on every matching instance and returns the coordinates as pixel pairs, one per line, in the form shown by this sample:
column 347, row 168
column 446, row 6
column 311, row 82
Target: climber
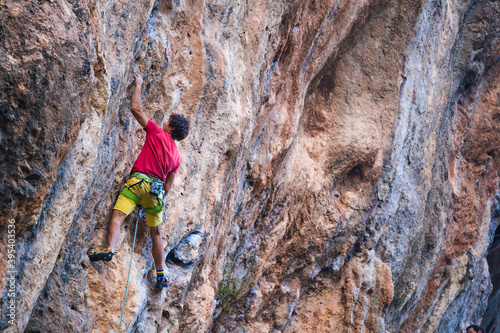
column 475, row 329
column 152, row 174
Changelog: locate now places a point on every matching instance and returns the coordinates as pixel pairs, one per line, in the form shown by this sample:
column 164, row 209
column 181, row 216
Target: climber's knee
column 155, row 231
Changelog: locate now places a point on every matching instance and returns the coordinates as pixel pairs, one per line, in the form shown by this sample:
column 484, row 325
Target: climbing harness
column 128, row 277
column 156, row 189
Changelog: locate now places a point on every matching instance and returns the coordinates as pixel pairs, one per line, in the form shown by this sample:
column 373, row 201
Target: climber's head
column 475, row 329
column 177, row 126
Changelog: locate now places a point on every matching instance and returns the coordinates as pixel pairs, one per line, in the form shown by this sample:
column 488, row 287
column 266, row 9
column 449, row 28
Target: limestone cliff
column 339, row 174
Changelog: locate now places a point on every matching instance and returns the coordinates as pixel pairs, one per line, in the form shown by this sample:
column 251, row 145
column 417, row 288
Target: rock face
column 339, row 174
column 491, row 320
column 187, row 251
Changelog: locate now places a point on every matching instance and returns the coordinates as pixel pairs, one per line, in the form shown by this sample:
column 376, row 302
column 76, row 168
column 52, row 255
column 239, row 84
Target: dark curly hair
column 476, row 328
column 180, row 127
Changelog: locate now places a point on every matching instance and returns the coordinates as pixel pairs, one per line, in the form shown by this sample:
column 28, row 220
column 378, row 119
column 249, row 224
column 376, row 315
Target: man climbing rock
column 152, row 174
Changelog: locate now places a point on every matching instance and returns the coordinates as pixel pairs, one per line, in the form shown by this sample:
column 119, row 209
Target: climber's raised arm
column 135, row 103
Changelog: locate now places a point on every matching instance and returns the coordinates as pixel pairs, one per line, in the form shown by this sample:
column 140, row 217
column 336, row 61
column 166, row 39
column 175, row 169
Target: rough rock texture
column 187, row 251
column 491, row 320
column 339, row 174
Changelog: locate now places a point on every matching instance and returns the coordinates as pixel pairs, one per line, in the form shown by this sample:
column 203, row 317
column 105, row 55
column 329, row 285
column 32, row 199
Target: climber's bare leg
column 157, row 246
column 114, row 225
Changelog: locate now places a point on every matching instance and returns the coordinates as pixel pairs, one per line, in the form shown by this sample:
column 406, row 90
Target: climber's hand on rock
column 138, row 80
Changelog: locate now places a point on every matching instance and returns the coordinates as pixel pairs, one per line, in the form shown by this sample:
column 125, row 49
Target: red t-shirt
column 159, row 155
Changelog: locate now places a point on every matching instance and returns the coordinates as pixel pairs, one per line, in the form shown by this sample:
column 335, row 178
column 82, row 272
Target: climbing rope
column 128, row 277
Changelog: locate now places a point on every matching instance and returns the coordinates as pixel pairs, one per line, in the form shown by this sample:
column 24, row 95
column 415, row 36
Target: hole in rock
column 354, row 176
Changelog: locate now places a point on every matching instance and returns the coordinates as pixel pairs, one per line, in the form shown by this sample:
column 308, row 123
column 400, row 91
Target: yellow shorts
column 126, row 205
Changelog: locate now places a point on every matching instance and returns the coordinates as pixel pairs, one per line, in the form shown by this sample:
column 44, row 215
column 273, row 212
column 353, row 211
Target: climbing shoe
column 161, row 283
column 106, row 256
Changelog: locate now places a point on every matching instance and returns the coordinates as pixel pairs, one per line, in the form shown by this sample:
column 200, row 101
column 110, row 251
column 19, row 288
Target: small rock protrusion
column 188, row 249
